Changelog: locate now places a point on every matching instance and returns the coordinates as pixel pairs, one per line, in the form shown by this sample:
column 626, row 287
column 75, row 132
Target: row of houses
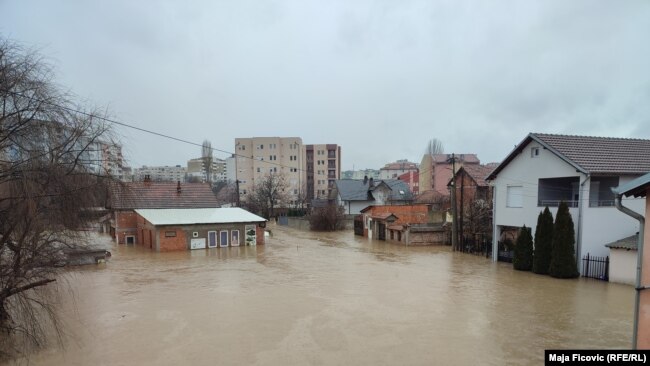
column 494, row 201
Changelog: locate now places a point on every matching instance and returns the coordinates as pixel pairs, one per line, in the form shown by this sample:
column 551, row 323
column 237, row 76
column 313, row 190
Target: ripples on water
column 330, row 298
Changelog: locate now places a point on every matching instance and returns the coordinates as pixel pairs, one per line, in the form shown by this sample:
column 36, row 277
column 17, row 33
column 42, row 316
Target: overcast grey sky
column 379, row 78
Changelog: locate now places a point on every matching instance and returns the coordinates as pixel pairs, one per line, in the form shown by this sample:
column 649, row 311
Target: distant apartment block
column 394, row 170
column 257, row 157
column 323, row 168
column 197, row 170
column 436, row 170
column 160, row 173
column 309, row 170
column 360, row 174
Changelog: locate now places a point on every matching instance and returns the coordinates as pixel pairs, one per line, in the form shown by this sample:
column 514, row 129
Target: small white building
column 545, row 169
column 622, row 260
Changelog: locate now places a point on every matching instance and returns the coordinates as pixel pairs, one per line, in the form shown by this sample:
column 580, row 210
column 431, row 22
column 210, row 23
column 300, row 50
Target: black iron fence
column 595, row 267
column 477, row 246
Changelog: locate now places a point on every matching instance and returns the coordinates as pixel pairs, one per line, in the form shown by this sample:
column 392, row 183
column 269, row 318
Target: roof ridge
column 589, row 136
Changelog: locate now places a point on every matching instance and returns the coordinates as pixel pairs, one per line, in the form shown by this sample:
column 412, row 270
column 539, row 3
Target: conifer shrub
column 523, row 256
column 563, row 259
column 543, row 242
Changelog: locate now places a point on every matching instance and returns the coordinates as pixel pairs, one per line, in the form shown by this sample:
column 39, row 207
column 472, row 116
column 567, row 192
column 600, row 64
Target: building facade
column 257, row 157
column 436, row 170
column 323, row 168
column 197, row 170
column 160, row 173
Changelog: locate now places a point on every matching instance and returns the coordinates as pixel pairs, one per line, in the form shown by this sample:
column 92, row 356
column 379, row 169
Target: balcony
column 552, row 191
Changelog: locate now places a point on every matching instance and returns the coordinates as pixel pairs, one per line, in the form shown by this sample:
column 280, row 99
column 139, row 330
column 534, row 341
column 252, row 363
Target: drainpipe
column 639, row 263
column 579, row 234
column 495, row 237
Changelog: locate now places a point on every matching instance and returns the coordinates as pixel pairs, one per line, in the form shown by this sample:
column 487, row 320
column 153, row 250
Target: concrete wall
column 622, row 266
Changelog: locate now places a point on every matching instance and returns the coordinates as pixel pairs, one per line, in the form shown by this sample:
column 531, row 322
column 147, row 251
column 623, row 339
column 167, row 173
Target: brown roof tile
column 478, row 173
column 162, row 195
column 602, row 154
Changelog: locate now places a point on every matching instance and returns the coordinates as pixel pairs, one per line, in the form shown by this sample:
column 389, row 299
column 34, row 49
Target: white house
column 545, row 169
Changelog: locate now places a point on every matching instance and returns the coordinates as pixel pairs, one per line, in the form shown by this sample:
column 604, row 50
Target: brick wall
column 170, row 243
column 125, row 225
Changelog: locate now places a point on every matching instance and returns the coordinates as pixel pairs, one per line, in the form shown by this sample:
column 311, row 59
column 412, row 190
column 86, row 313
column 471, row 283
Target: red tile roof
column 161, row 195
column 406, row 214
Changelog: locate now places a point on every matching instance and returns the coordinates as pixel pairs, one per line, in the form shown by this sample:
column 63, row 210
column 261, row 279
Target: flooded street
column 333, row 298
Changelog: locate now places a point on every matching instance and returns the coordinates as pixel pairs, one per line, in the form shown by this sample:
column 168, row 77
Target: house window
column 514, row 196
column 534, row 152
column 170, row 234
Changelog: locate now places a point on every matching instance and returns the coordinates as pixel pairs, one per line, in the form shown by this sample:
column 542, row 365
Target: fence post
column 607, row 268
column 587, row 266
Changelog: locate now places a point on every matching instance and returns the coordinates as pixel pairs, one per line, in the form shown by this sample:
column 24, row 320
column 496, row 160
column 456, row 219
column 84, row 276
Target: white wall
column 525, row 171
column 622, row 266
column 603, row 225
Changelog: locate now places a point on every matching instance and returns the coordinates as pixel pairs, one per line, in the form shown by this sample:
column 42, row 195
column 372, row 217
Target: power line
column 123, row 124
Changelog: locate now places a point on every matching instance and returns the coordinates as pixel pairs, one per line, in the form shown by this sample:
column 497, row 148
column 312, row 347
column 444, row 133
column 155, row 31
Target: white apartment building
column 161, row 173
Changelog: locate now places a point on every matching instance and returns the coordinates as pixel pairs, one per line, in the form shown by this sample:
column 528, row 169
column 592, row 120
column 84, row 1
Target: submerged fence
column 595, row 267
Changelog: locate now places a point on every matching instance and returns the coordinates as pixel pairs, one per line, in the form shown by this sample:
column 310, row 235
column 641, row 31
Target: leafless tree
column 434, row 146
column 49, row 176
column 328, row 218
column 268, row 194
column 226, row 193
column 206, row 155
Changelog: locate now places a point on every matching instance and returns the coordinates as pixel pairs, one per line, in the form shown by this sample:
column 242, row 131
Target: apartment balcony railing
column 601, row 203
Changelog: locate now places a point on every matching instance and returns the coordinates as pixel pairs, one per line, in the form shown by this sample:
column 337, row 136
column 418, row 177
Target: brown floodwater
column 329, row 298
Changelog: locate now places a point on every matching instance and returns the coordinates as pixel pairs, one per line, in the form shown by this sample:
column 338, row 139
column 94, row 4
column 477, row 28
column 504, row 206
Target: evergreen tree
column 543, row 242
column 523, row 256
column 563, row 260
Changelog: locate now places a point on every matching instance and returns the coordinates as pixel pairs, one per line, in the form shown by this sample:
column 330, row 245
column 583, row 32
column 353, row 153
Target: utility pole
column 454, row 228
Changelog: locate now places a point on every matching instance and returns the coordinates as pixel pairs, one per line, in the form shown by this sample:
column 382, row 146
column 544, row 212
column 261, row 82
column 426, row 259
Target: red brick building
column 166, row 230
column 473, row 200
column 125, row 198
column 408, row 225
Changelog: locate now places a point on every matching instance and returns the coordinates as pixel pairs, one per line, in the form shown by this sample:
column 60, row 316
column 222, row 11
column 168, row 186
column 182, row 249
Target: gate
column 595, row 267
column 358, row 226
column 381, row 235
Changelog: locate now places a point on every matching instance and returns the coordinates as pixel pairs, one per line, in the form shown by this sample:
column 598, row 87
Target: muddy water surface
column 324, row 299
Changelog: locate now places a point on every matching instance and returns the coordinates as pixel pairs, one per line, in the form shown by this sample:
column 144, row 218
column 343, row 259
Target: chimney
column 178, row 187
column 371, row 182
column 147, row 180
column 365, row 179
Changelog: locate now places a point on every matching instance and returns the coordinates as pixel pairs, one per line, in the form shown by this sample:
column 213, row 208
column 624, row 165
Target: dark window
column 170, row 234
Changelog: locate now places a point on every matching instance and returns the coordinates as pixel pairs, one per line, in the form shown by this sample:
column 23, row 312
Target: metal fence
column 480, row 246
column 595, row 267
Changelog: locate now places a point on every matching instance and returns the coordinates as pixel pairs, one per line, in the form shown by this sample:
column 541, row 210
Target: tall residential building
column 323, row 168
column 258, row 157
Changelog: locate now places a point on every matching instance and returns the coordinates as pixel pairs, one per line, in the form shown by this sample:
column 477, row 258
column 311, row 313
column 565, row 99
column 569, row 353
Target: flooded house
column 125, row 198
column 403, row 224
column 166, row 230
